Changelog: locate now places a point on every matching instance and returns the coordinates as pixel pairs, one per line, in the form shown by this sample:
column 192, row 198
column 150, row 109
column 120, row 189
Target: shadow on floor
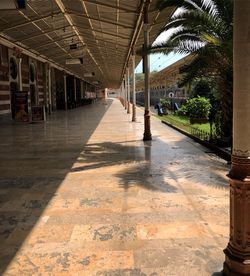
column 151, row 167
column 134, row 157
column 35, row 159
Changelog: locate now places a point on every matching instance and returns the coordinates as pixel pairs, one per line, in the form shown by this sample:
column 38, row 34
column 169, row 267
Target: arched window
column 13, row 68
column 32, row 72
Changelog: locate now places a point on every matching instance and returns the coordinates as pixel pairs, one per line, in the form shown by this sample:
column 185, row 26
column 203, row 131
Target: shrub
column 182, row 111
column 198, row 107
column 164, row 103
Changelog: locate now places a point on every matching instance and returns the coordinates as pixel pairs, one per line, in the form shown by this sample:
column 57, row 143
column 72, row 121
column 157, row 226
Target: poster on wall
column 38, row 113
column 21, row 112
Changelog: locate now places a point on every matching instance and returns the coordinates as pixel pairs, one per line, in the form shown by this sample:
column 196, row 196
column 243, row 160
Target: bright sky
column 161, row 61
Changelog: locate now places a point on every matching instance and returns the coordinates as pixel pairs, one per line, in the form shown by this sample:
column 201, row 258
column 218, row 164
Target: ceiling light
column 12, row 4
column 70, row 61
column 88, row 75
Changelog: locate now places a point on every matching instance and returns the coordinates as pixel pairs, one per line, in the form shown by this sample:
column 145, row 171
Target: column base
column 134, row 113
column 128, row 109
column 125, row 104
column 237, row 253
column 147, row 136
column 235, row 266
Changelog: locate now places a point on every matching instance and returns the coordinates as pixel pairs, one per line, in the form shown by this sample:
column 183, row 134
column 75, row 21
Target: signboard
column 21, row 112
column 38, row 113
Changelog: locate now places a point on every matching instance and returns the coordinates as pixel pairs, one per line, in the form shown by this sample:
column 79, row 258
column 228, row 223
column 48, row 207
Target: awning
column 100, row 32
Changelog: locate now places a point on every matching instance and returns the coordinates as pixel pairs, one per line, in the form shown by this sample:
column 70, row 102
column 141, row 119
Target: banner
column 21, row 112
column 38, row 113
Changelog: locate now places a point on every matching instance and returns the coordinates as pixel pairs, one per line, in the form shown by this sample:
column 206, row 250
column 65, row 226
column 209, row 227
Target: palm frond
column 185, row 4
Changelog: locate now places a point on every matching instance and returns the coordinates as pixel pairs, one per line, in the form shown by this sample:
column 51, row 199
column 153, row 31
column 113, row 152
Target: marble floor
column 82, row 194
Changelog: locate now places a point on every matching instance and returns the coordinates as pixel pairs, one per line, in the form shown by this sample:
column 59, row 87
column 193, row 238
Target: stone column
column 65, row 91
column 81, row 89
column 75, row 89
column 133, row 89
column 20, row 80
column 238, row 250
column 128, row 92
column 121, row 94
column 106, row 93
column 50, row 89
column 147, row 129
column 125, row 90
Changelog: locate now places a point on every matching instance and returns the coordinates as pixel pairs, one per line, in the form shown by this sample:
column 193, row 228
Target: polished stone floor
column 82, row 194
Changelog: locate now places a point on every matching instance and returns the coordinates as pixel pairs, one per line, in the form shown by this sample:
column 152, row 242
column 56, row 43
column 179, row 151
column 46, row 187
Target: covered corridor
column 84, row 195
column 81, row 193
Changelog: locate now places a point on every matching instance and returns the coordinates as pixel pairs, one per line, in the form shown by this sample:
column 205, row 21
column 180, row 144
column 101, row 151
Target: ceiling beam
column 39, row 45
column 137, row 30
column 43, row 32
column 101, row 3
column 102, row 32
column 103, row 40
column 70, row 21
column 40, row 57
column 35, row 35
column 125, row 26
column 30, row 21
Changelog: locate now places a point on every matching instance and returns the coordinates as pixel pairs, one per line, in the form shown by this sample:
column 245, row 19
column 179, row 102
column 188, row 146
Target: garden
column 192, row 117
column 203, row 29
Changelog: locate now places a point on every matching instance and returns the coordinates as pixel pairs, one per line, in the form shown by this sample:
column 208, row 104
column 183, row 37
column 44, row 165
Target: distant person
column 159, row 109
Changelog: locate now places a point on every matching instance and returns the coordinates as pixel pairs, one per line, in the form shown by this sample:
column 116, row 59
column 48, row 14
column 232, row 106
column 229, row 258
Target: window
column 13, row 68
column 32, row 72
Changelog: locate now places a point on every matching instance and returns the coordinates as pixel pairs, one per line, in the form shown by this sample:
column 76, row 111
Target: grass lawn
column 183, row 122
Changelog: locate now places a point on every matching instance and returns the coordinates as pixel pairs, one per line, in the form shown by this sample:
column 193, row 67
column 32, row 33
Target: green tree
column 204, row 28
column 201, row 88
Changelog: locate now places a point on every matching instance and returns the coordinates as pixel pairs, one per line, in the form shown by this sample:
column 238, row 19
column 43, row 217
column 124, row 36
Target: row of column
column 125, row 89
column 49, row 89
column 237, row 253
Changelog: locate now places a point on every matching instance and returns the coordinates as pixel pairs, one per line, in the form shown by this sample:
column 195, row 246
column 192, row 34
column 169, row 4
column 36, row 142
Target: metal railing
column 201, row 134
column 194, row 131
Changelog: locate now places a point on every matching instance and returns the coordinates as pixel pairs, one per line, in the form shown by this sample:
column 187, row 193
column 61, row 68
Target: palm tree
column 204, row 28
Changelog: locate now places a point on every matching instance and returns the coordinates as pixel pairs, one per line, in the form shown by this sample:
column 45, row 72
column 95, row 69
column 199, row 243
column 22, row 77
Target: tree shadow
column 204, row 169
column 134, row 157
column 36, row 159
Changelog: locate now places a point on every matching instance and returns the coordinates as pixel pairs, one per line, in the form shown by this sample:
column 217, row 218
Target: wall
column 36, row 86
column 4, row 82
